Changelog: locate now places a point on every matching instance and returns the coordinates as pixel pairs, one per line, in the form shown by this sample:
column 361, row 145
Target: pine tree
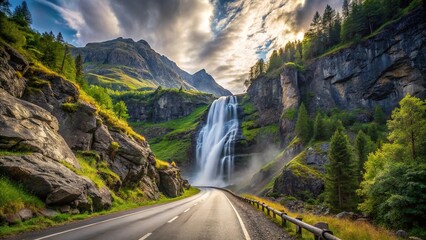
column 362, row 149
column 345, row 9
column 274, row 61
column 5, row 7
column 22, row 15
column 120, row 109
column 302, row 124
column 79, row 71
column 379, row 116
column 341, row 179
column 319, row 131
column 408, row 125
column 59, row 37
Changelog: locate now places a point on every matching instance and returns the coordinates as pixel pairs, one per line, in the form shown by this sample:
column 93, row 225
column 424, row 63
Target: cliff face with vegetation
column 354, row 80
column 62, row 147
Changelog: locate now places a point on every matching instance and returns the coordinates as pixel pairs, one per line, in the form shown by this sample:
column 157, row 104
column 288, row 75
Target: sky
column 225, row 37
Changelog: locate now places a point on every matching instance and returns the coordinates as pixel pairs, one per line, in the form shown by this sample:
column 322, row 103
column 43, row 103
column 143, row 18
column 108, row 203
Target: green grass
column 14, row 197
column 88, row 169
column 299, row 168
column 39, row 223
column 70, row 107
column 250, row 132
column 176, row 143
column 13, row 153
column 172, row 149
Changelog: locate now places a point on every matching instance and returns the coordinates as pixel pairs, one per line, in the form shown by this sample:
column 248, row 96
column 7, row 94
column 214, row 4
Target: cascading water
column 215, row 144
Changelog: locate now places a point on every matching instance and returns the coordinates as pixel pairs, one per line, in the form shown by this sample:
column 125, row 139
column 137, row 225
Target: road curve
column 211, row 214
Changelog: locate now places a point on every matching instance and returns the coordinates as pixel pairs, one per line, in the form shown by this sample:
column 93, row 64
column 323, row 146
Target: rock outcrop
column 54, row 183
column 125, row 59
column 164, row 105
column 43, row 120
column 27, row 127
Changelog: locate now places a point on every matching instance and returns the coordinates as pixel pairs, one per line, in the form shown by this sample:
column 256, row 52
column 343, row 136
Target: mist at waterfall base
column 215, row 144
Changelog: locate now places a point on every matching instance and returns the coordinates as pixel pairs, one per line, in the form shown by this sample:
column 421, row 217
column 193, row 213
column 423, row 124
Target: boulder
column 53, row 182
column 402, row 234
column 25, row 214
column 12, row 218
column 27, row 127
column 171, row 182
column 346, row 215
column 322, row 225
column 65, row 209
column 50, row 213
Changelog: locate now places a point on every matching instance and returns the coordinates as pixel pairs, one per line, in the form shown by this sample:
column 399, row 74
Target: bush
column 70, row 107
column 159, row 164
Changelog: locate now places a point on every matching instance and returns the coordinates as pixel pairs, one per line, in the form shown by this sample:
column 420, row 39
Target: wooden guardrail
column 319, row 234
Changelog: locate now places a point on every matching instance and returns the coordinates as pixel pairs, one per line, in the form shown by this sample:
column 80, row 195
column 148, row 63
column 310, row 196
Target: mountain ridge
column 123, row 64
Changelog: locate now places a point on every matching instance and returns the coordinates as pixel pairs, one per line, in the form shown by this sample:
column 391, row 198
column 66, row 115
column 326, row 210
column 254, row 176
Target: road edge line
column 246, row 234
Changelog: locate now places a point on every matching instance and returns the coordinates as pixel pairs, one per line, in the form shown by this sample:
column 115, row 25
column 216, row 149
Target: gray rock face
column 25, row 126
column 165, row 106
column 142, row 63
column 376, row 72
column 52, row 181
column 265, row 95
column 318, row 158
column 296, row 183
column 10, row 63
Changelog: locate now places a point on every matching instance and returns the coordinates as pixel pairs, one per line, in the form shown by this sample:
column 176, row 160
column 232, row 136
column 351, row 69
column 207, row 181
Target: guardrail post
column 263, row 207
column 273, row 214
column 299, row 228
column 323, row 226
column 283, row 220
column 257, row 204
column 267, row 208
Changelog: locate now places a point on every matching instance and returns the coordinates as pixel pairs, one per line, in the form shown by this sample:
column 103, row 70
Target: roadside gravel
column 257, row 224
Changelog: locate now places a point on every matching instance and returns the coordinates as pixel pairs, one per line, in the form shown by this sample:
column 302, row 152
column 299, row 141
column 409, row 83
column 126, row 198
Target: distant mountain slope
column 125, row 64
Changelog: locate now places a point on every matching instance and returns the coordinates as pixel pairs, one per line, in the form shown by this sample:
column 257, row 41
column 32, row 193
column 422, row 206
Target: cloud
column 225, row 37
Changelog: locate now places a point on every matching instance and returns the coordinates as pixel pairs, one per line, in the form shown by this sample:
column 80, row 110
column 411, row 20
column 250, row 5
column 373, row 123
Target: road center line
column 171, row 220
column 246, row 235
column 186, row 210
column 145, row 237
column 107, row 220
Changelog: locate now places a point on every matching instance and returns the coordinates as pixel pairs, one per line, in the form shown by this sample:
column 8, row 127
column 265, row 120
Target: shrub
column 159, row 164
column 70, row 107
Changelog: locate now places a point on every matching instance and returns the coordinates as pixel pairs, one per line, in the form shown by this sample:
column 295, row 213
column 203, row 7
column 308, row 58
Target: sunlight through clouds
column 225, row 37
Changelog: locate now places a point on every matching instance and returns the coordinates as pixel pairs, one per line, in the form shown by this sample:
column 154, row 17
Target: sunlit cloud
column 223, row 37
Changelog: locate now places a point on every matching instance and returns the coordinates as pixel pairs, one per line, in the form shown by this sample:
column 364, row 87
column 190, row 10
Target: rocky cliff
column 44, row 122
column 162, row 105
column 125, row 64
column 377, row 71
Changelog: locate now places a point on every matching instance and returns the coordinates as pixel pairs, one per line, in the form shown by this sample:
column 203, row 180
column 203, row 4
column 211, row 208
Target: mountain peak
column 144, row 43
column 202, row 71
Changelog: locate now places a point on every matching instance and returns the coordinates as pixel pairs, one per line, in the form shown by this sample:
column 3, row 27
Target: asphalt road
column 211, row 214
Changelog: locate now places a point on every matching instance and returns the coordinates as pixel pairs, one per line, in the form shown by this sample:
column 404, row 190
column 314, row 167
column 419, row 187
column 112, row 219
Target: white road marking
column 104, row 221
column 171, row 220
column 246, row 235
column 187, row 210
column 195, row 204
column 145, row 237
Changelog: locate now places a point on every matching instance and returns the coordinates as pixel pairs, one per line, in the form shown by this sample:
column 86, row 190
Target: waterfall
column 215, row 144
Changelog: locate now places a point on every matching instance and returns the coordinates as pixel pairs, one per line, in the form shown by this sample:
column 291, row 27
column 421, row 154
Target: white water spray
column 215, row 144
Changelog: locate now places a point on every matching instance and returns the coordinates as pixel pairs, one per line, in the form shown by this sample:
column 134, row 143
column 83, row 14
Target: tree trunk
column 413, row 149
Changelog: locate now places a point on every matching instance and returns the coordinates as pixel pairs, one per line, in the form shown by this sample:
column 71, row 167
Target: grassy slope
column 176, row 144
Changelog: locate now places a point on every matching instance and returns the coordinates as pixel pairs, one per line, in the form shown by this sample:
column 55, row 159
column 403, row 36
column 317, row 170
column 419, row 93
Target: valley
column 329, row 128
